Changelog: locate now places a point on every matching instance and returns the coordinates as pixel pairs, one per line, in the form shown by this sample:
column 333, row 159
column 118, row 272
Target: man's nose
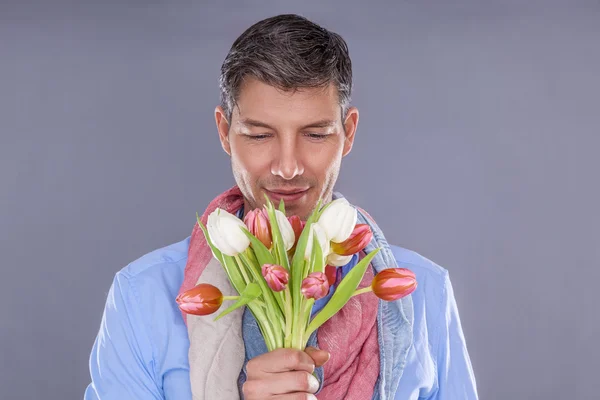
column 287, row 163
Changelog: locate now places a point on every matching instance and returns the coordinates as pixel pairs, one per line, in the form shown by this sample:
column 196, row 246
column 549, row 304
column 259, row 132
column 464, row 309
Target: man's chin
column 303, row 212
column 302, row 207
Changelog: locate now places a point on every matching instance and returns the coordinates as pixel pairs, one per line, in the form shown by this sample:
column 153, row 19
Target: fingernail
column 313, row 384
column 311, row 396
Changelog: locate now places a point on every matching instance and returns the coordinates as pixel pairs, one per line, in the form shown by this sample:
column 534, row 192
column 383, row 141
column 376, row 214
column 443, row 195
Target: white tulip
column 338, row 261
column 316, row 229
column 287, row 232
column 225, row 233
column 338, row 220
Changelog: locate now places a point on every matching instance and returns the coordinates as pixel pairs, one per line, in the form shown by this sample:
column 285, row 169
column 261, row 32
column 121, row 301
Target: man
column 286, row 122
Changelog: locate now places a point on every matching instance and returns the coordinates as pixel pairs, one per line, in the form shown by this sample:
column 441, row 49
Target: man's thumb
column 320, row 357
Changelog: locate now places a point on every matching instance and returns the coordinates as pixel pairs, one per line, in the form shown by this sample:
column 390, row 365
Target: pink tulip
column 258, row 224
column 203, row 299
column 359, row 239
column 276, row 276
column 394, row 283
column 315, row 286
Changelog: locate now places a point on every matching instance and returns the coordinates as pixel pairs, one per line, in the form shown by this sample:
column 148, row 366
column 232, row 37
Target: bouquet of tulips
column 280, row 266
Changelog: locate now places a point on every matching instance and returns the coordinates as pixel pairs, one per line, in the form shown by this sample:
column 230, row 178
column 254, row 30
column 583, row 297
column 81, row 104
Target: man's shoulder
column 163, row 257
column 419, row 264
column 156, row 276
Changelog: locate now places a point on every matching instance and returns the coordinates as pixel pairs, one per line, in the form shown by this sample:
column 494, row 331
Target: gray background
column 480, row 120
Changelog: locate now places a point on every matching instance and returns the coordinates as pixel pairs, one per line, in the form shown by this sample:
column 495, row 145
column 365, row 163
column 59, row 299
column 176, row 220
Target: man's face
column 288, row 145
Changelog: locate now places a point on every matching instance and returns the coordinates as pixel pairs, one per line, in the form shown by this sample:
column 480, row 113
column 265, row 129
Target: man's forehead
column 248, row 122
column 260, row 104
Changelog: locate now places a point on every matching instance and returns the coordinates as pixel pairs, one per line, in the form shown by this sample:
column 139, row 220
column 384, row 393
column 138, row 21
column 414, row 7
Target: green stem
column 296, row 328
column 260, row 303
column 270, row 340
column 363, row 290
column 241, row 268
column 288, row 317
column 300, row 335
column 305, row 319
column 231, row 297
column 272, row 309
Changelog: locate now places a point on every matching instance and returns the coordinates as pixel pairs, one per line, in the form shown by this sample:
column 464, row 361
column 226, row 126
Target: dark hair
column 289, row 52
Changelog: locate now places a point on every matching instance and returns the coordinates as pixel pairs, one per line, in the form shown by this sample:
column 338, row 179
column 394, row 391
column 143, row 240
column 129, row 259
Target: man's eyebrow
column 324, row 123
column 254, row 123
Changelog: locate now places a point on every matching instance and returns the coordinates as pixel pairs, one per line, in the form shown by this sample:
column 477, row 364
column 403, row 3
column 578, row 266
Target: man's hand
column 284, row 374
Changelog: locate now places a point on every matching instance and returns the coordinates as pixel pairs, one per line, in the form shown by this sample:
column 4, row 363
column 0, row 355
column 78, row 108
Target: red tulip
column 203, row 299
column 331, row 274
column 315, row 286
column 394, row 283
column 297, row 226
column 258, row 224
column 359, row 239
column 276, row 276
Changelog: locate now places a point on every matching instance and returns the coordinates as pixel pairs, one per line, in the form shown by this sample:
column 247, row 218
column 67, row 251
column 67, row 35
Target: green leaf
column 322, row 210
column 317, row 263
column 251, row 292
column 298, row 258
column 278, row 244
column 342, row 293
column 281, row 206
column 260, row 255
column 263, row 254
column 298, row 264
column 233, row 273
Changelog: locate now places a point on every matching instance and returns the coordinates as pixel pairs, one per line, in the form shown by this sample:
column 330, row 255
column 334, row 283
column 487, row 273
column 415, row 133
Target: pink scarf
column 350, row 336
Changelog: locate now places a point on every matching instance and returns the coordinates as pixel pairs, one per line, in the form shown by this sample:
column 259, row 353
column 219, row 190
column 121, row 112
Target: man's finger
column 286, row 383
column 279, row 360
column 319, row 357
column 296, row 396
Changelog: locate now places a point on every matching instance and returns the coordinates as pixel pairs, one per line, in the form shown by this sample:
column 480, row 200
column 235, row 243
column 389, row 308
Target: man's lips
column 287, row 195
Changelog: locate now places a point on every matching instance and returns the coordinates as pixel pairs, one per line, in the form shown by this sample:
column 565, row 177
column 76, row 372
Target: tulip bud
column 315, row 286
column 297, row 225
column 359, row 239
column 338, row 220
column 338, row 261
column 394, row 283
column 203, row 299
column 316, row 229
column 225, row 233
column 258, row 224
column 276, row 276
column 287, row 232
column 331, row 274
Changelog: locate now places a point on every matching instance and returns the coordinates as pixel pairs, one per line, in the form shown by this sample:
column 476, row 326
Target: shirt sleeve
column 455, row 376
column 120, row 363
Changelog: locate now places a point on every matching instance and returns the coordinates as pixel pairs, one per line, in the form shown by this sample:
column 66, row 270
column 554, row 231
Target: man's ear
column 350, row 126
column 223, row 128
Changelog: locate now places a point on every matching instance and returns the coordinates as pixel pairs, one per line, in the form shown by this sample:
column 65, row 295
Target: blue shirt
column 141, row 350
